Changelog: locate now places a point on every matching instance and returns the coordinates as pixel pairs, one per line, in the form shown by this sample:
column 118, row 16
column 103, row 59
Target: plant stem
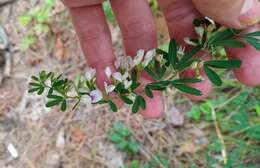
column 220, row 137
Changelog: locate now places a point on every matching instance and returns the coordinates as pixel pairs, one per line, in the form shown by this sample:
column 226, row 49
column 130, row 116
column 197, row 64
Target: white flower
column 199, row 30
column 139, row 57
column 96, row 96
column 108, row 72
column 149, row 57
column 127, row 83
column 117, row 62
column 181, row 50
column 129, row 62
column 117, row 76
column 187, row 40
column 90, row 74
column 125, row 76
column 109, row 88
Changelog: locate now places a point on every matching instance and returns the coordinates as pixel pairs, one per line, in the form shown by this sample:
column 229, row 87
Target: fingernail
column 250, row 12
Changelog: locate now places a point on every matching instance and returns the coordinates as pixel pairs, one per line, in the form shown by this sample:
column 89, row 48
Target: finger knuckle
column 92, row 34
column 138, row 29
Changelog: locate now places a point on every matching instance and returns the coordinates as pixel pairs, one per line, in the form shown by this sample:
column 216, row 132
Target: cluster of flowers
column 122, row 76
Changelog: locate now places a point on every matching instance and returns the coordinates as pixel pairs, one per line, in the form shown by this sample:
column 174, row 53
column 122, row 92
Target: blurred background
column 223, row 131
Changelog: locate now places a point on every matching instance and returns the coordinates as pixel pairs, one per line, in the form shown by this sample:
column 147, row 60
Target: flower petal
column 108, row 72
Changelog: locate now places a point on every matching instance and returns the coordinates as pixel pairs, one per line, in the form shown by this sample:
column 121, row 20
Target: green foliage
column 239, row 124
column 165, row 69
column 36, row 20
column 121, row 136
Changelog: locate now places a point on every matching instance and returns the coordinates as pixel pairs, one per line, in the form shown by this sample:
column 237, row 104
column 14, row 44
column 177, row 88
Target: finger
column 138, row 29
column 249, row 72
column 179, row 16
column 231, row 13
column 95, row 38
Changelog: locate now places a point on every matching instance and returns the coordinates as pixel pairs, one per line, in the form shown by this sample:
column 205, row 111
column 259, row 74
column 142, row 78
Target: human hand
column 138, row 30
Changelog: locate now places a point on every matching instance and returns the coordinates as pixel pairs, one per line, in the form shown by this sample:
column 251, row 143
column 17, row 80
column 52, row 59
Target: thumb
column 231, row 13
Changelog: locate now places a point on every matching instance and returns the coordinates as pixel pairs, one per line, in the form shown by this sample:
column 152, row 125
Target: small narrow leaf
column 173, row 52
column 136, row 105
column 223, row 63
column 187, row 89
column 213, row 76
column 53, row 103
column 116, row 138
column 229, row 43
column 151, row 73
column 33, row 90
column 187, row 80
column 254, row 34
column 126, row 100
column 63, row 105
column 142, row 102
column 40, row 91
column 112, row 106
column 254, row 42
column 148, row 92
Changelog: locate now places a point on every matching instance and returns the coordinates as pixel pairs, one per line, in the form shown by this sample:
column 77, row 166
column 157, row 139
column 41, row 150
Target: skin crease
column 135, row 20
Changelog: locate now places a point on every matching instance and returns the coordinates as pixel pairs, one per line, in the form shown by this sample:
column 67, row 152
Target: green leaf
column 63, row 105
column 115, row 137
column 35, row 84
column 213, row 76
column 173, row 52
column 33, row 90
column 142, row 102
column 187, row 80
column 151, row 73
column 53, row 102
column 136, row 105
column 56, row 97
column 187, row 89
column 254, row 42
column 135, row 85
column 50, row 92
column 112, row 106
column 156, row 86
column 148, row 92
column 126, row 100
column 35, row 78
column 133, row 146
column 228, row 33
column 253, row 34
column 122, row 145
column 229, row 43
column 223, row 63
column 40, row 91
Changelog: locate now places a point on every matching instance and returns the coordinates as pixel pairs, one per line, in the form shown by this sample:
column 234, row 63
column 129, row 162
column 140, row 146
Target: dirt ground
column 48, row 138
